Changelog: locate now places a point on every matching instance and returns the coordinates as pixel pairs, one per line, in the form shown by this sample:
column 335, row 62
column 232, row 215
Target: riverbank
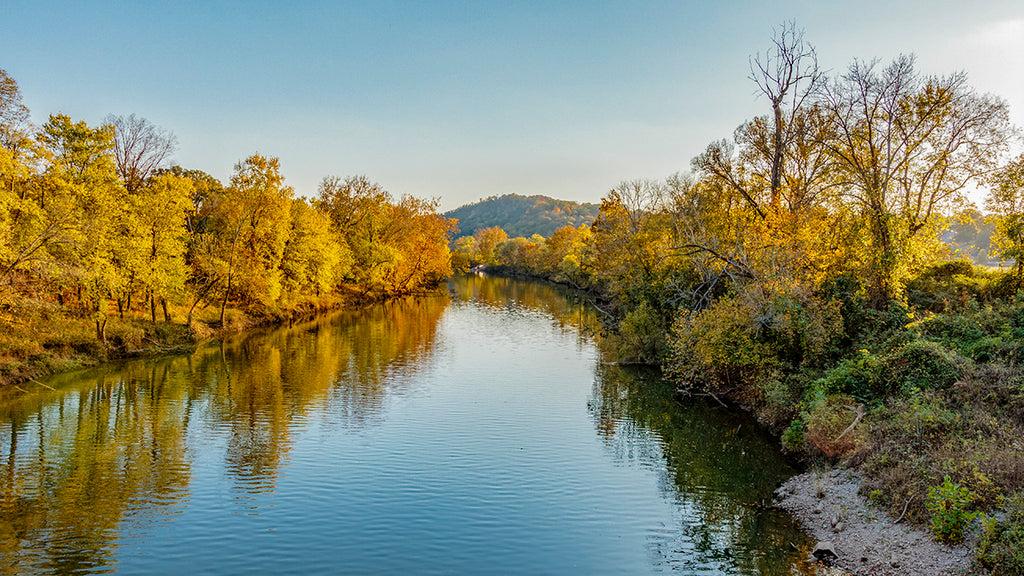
column 41, row 338
column 865, row 539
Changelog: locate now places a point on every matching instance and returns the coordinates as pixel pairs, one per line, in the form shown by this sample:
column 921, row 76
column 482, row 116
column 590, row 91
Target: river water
column 478, row 431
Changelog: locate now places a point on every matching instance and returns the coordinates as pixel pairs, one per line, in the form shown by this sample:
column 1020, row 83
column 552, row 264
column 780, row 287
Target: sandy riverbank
column 866, row 539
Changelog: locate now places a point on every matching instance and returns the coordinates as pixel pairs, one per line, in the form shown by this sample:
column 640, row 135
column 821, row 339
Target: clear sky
column 462, row 100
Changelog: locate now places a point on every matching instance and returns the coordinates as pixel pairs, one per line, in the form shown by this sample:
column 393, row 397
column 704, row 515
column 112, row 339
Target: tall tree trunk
column 152, row 307
column 884, row 284
column 777, row 154
column 167, row 315
column 224, row 301
column 199, row 298
column 101, row 331
column 231, row 270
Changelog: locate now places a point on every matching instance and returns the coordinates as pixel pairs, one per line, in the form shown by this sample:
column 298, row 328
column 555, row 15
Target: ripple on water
column 416, row 437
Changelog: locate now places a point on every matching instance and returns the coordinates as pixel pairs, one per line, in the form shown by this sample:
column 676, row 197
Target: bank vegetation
column 797, row 270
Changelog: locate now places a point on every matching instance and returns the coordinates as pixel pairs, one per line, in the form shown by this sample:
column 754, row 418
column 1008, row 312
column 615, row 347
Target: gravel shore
column 866, row 539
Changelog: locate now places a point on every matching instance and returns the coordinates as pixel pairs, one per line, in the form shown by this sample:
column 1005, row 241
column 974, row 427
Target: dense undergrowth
column 926, row 396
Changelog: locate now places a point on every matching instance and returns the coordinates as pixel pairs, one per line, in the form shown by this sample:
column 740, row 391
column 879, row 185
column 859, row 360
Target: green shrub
column 641, row 335
column 1001, row 549
column 947, row 284
column 804, row 328
column 849, row 291
column 995, row 349
column 966, row 324
column 753, row 336
column 720, row 346
column 780, row 398
column 878, row 498
column 920, row 364
column 920, row 417
column 794, row 437
column 948, row 504
column 859, row 376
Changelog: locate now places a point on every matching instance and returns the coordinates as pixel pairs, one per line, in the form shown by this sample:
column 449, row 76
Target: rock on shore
column 865, row 539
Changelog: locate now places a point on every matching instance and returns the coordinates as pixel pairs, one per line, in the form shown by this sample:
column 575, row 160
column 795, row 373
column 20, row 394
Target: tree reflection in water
column 716, row 466
column 119, row 450
column 109, row 444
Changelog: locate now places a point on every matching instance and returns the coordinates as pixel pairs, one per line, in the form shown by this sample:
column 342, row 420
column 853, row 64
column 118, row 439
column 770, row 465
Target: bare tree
column 787, row 74
column 776, row 155
column 13, row 114
column 140, row 147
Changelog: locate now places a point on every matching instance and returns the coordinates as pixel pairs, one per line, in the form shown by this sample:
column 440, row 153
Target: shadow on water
column 718, row 467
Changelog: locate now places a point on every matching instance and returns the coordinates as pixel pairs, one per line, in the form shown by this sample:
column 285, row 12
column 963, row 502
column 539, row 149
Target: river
column 477, row 431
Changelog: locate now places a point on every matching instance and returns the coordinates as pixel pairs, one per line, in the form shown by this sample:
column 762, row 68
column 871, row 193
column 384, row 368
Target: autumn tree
column 415, row 239
column 787, row 74
column 251, row 222
column 204, row 188
column 314, row 260
column 569, row 254
column 487, row 240
column 201, row 243
column 20, row 240
column 13, row 114
column 464, row 253
column 358, row 209
column 1006, row 202
column 78, row 197
column 165, row 199
column 629, row 235
column 351, row 202
column 905, row 148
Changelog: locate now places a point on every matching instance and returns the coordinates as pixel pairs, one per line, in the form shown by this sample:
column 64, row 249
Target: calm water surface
column 477, row 432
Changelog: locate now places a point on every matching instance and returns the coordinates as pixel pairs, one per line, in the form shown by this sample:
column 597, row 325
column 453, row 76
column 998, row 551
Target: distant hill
column 523, row 215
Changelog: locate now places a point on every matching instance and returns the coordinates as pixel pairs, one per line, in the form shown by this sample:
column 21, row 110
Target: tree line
column 93, row 217
column 849, row 177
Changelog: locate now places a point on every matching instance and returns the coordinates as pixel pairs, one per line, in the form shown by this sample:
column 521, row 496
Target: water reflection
column 331, row 443
column 718, row 468
column 567, row 309
column 78, row 463
column 109, row 444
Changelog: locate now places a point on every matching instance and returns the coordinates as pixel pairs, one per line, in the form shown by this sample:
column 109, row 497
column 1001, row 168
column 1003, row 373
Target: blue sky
column 464, row 100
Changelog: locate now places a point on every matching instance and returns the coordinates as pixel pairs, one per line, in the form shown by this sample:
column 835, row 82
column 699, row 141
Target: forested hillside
column 523, row 215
